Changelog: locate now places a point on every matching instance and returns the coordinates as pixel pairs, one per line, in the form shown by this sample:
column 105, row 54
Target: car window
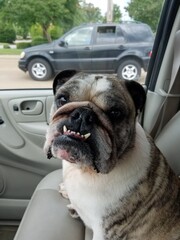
column 45, row 38
column 106, row 34
column 138, row 32
column 79, row 37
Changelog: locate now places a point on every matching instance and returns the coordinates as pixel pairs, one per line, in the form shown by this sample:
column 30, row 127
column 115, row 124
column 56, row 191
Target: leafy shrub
column 23, row 45
column 55, row 32
column 36, row 31
column 38, row 40
column 7, row 34
column 21, row 31
column 6, row 46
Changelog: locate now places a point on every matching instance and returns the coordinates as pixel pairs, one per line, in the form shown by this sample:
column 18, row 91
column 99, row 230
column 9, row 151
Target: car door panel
column 8, row 135
column 24, row 118
column 104, row 59
column 103, row 56
column 77, row 56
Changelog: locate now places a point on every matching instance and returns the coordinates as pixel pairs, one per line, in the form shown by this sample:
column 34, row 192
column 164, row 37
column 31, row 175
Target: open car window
column 87, row 36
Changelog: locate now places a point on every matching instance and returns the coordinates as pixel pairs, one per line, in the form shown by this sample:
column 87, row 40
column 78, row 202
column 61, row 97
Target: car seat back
column 168, row 142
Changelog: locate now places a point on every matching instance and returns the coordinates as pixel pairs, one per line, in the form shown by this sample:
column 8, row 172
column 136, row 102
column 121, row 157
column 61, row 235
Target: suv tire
column 129, row 70
column 39, row 69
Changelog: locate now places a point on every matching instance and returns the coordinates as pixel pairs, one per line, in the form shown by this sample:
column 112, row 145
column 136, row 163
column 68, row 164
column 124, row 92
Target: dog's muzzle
column 82, row 120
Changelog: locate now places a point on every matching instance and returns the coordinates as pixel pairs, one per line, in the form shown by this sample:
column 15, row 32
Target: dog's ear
column 61, row 78
column 137, row 93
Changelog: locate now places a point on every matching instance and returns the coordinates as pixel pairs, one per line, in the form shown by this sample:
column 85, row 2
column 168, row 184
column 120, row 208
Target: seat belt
column 176, row 60
column 173, row 93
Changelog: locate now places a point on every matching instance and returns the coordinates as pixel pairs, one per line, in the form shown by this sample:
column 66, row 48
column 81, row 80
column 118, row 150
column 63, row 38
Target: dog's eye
column 61, row 100
column 115, row 114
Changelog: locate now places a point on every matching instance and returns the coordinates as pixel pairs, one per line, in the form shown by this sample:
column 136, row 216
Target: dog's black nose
column 82, row 120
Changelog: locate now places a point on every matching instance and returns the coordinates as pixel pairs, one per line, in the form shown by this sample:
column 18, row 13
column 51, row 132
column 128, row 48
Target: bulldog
column 116, row 179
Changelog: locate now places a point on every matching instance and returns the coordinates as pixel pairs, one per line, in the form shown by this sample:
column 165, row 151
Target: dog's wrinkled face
column 93, row 119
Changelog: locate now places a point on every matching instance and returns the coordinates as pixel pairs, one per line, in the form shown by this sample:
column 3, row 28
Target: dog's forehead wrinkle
column 115, row 101
column 68, row 88
column 87, row 87
column 102, row 85
column 98, row 82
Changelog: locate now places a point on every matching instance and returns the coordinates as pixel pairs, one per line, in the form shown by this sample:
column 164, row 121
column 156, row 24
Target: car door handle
column 121, row 47
column 87, row 48
column 31, row 107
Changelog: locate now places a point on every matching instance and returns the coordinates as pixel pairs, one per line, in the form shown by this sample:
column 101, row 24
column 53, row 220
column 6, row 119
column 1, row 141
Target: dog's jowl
column 116, row 179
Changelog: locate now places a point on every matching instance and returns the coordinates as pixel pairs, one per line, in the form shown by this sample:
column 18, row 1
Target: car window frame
column 164, row 29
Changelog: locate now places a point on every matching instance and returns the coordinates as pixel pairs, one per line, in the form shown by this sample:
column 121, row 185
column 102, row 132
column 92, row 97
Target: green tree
column 2, row 2
column 7, row 33
column 79, row 16
column 25, row 13
column 73, row 9
column 90, row 13
column 86, row 13
column 116, row 13
column 145, row 11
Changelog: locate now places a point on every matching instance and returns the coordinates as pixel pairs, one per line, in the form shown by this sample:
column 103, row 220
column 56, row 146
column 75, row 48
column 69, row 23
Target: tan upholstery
column 47, row 217
column 168, row 142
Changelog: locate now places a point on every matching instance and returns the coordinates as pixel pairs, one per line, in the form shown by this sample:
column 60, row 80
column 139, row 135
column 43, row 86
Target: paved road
column 12, row 77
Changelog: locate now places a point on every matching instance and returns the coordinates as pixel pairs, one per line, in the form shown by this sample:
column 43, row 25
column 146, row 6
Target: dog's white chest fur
column 91, row 194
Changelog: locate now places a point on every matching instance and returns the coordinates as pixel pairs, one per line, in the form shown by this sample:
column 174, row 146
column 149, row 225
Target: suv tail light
column 150, row 54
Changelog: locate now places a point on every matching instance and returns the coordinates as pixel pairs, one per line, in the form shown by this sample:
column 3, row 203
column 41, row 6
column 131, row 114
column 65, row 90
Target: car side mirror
column 62, row 43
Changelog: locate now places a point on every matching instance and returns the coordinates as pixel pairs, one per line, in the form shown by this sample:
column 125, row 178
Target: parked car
column 102, row 48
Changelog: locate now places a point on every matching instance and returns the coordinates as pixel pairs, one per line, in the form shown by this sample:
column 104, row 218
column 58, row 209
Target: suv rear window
column 138, row 32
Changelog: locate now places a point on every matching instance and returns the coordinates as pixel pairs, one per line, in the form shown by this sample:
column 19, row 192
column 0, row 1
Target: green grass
column 8, row 51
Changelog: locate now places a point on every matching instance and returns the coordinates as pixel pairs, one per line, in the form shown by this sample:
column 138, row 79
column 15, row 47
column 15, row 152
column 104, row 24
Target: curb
column 9, row 56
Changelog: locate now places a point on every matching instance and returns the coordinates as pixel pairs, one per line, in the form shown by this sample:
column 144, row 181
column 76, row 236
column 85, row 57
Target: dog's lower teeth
column 86, row 136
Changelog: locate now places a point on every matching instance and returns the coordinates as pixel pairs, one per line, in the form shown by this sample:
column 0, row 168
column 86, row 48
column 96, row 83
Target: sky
column 102, row 4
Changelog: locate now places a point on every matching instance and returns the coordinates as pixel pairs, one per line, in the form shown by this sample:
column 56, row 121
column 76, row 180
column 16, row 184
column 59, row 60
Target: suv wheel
column 39, row 69
column 129, row 70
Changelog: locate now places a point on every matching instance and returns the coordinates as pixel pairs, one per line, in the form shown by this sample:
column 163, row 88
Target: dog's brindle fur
column 117, row 180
